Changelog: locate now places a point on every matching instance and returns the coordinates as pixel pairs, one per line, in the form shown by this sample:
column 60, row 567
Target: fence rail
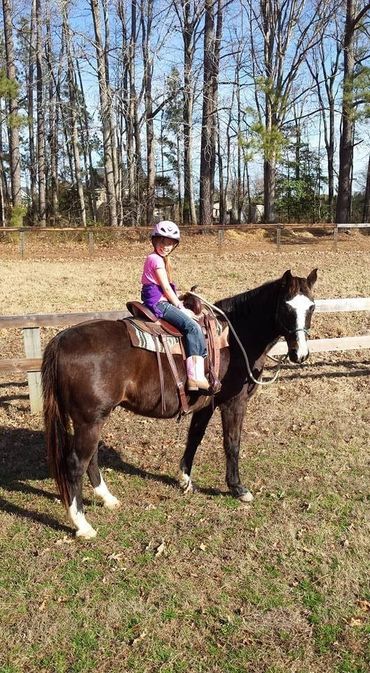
column 279, row 228
column 30, row 324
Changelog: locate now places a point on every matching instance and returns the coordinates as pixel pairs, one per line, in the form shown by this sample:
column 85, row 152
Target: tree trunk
column 73, row 116
column 347, row 122
column 105, row 115
column 366, row 210
column 189, row 214
column 207, row 150
column 41, row 168
column 146, row 26
column 13, row 131
column 30, row 111
column 85, row 132
column 269, row 164
column 53, row 127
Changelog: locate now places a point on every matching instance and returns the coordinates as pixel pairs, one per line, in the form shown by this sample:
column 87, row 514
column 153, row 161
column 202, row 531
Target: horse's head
column 294, row 313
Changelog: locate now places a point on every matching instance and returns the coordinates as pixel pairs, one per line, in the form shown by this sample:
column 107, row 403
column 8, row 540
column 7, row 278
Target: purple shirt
column 151, row 292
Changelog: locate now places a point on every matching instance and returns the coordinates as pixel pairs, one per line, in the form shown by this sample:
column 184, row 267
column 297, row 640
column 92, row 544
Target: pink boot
column 195, row 372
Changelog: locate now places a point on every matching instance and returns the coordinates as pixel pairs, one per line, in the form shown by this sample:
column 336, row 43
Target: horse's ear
column 286, row 277
column 312, row 278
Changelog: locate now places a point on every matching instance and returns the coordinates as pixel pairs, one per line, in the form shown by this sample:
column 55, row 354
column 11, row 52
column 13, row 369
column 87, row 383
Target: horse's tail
column 56, row 419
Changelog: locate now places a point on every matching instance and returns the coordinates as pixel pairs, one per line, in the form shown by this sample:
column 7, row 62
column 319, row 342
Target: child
column 159, row 295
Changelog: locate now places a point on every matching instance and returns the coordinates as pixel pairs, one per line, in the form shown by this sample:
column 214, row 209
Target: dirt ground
column 199, row 584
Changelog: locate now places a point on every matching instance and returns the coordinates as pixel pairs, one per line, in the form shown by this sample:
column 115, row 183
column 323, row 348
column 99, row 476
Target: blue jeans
column 194, row 340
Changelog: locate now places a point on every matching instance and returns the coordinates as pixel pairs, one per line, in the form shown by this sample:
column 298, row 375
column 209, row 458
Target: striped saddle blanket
column 150, row 336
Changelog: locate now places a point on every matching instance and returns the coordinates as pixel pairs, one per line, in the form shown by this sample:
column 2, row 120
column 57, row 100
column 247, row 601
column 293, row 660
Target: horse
column 91, row 368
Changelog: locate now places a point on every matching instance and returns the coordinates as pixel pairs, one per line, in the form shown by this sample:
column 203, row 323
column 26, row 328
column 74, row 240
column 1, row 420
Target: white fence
column 31, row 324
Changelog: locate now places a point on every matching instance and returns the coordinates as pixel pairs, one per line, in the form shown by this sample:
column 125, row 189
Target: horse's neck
column 254, row 318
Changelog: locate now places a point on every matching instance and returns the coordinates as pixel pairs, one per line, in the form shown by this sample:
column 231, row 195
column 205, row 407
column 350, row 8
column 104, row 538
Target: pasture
column 198, row 583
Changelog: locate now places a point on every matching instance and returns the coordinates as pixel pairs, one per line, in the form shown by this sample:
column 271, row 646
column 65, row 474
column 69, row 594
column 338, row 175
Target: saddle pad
column 140, row 337
column 143, row 339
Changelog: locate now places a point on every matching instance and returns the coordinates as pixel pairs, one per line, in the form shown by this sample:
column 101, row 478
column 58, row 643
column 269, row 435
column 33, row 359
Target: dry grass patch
column 198, row 583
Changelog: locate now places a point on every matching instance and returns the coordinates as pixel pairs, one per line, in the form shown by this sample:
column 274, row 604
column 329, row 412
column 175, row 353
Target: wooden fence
column 31, row 324
column 91, row 233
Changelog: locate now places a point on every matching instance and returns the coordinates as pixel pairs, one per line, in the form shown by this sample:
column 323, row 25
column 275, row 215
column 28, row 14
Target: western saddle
column 149, row 332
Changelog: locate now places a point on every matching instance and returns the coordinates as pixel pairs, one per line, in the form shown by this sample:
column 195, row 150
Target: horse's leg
column 196, row 432
column 85, row 444
column 99, row 485
column 232, row 414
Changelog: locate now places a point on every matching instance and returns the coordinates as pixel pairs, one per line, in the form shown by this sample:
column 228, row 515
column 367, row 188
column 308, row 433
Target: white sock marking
column 78, row 519
column 103, row 492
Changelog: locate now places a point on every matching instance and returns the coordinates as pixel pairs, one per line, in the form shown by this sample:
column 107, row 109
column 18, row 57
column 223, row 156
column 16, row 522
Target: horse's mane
column 241, row 304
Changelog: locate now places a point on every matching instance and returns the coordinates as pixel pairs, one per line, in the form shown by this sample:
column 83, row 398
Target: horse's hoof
column 186, row 483
column 86, row 533
column 246, row 497
column 112, row 503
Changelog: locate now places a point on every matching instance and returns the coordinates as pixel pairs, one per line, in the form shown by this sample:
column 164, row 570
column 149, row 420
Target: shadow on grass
column 351, row 369
column 5, row 400
column 23, row 459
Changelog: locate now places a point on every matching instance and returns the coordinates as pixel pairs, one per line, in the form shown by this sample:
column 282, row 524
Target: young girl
column 159, row 295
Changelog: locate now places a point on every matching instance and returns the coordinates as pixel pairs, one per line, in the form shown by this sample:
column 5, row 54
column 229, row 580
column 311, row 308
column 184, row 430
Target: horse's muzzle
column 296, row 358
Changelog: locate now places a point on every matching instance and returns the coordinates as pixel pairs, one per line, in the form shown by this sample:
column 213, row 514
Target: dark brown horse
column 91, row 368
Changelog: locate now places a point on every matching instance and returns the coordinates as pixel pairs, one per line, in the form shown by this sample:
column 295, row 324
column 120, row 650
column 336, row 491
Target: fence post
column 91, row 243
column 278, row 238
column 32, row 349
column 21, row 243
column 221, row 236
column 335, row 238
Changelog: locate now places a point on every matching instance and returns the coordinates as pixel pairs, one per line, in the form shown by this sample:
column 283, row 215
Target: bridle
column 283, row 327
column 215, row 309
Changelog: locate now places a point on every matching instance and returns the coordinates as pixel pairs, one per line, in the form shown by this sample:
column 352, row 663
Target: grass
column 200, row 584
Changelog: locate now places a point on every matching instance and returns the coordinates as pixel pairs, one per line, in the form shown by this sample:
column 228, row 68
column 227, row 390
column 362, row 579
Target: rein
column 214, row 309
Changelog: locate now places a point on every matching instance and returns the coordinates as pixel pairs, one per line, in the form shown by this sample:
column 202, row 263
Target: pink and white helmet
column 167, row 229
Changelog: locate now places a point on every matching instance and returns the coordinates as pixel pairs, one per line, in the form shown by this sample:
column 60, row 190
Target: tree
column 171, row 131
column 281, row 35
column 189, row 15
column 212, row 41
column 298, row 176
column 324, row 68
column 108, row 130
column 13, row 116
column 72, row 88
column 349, row 104
column 40, row 104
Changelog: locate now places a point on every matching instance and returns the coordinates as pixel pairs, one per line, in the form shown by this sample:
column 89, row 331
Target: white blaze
column 300, row 303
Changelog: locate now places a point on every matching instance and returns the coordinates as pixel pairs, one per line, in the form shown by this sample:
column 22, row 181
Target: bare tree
column 72, row 89
column 354, row 17
column 324, row 68
column 189, row 14
column 366, row 210
column 146, row 20
column 212, row 38
column 52, row 183
column 40, row 99
column 13, row 118
column 106, row 112
column 281, row 35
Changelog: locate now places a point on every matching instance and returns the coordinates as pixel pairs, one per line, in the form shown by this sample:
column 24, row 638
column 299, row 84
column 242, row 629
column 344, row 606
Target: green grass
column 278, row 586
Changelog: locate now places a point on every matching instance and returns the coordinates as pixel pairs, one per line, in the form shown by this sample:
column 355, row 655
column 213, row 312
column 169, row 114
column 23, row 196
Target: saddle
column 155, row 334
